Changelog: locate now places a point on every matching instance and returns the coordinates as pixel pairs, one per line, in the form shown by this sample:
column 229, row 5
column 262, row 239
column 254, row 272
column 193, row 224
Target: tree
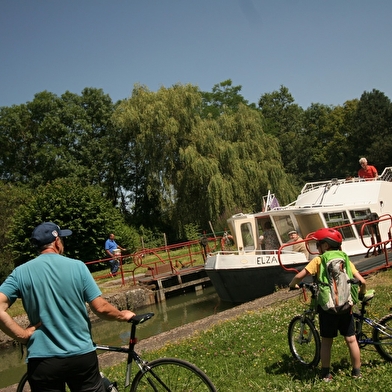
column 11, row 198
column 58, row 137
column 372, row 126
column 283, row 119
column 184, row 169
column 154, row 128
column 71, row 205
column 223, row 98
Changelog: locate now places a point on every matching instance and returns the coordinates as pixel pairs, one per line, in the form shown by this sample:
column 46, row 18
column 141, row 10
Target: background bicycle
column 304, row 339
column 163, row 374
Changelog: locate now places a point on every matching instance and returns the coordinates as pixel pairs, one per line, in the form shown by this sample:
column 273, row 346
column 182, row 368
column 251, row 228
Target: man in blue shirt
column 54, row 290
column 110, row 247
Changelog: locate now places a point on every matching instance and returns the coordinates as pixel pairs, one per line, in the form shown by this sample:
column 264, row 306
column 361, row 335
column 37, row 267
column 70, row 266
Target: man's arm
column 106, row 311
column 10, row 327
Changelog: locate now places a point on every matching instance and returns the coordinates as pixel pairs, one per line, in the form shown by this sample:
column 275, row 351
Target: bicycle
column 163, row 374
column 304, row 339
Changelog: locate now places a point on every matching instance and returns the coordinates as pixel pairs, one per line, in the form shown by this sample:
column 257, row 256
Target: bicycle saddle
column 140, row 318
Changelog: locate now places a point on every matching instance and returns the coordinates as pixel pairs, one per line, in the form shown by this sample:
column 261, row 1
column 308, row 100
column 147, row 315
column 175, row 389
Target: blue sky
column 323, row 51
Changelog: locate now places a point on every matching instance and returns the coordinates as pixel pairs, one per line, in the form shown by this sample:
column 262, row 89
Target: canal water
column 176, row 311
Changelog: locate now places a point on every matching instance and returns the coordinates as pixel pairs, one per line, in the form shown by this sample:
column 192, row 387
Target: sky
column 323, row 51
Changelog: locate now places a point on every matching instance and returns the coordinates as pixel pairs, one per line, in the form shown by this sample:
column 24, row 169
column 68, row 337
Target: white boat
column 360, row 209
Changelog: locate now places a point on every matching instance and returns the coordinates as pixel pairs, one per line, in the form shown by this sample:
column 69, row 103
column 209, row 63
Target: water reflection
column 176, row 311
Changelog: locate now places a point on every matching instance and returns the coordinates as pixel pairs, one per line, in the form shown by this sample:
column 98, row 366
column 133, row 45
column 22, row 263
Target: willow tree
column 182, row 168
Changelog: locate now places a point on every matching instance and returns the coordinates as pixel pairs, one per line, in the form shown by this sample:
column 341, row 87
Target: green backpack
column 336, row 295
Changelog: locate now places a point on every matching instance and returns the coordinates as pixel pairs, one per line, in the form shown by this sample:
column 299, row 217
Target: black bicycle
column 163, row 374
column 304, row 339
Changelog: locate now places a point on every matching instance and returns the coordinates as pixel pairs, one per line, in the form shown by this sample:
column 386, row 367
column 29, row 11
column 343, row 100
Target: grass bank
column 251, row 353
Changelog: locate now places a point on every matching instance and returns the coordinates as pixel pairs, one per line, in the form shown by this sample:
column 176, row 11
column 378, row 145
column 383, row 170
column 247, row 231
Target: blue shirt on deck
column 54, row 290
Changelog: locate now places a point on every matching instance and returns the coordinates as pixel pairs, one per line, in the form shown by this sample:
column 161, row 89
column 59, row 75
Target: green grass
column 251, row 353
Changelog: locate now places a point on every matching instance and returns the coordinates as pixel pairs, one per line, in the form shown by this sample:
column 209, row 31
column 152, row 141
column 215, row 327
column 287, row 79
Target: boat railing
column 376, row 247
column 386, row 175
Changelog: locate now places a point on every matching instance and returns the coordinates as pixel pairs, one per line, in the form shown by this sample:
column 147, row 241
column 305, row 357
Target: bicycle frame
column 130, row 350
column 169, row 374
column 362, row 339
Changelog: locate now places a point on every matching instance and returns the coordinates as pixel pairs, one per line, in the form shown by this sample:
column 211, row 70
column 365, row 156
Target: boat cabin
column 348, row 204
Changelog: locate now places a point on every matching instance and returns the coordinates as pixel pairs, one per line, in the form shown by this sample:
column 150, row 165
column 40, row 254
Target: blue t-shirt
column 54, row 290
column 110, row 245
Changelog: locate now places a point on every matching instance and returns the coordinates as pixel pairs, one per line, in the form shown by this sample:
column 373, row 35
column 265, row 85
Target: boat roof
column 348, row 191
column 337, row 192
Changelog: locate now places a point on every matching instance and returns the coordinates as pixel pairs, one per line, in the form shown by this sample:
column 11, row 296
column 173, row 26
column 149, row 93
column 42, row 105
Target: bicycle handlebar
column 355, row 281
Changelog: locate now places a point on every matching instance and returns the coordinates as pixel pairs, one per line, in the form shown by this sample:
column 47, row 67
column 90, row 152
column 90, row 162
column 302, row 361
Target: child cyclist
column 329, row 244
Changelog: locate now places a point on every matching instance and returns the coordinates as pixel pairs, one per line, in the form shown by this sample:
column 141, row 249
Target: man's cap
column 47, row 232
column 292, row 232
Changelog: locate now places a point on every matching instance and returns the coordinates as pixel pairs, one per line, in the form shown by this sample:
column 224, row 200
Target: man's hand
column 29, row 332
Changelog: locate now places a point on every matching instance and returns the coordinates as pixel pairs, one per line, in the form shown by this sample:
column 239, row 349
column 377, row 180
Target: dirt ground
column 187, row 330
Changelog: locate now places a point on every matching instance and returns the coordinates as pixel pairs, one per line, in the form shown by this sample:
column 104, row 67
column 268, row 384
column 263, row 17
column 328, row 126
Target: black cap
column 47, row 232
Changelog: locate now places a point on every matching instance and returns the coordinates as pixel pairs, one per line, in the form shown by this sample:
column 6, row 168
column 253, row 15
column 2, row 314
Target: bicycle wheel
column 304, row 341
column 382, row 337
column 171, row 374
column 23, row 385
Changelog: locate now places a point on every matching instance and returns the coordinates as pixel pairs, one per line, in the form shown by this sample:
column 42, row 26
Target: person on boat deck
column 367, row 171
column 301, row 247
column 271, row 241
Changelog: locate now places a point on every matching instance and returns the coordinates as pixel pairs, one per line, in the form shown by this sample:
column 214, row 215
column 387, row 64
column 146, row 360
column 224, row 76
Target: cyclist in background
column 54, row 290
column 331, row 240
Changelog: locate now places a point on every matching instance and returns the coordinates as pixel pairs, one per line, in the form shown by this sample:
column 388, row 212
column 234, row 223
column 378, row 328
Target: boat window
column 340, row 218
column 359, row 216
column 308, row 223
column 283, row 224
column 247, row 236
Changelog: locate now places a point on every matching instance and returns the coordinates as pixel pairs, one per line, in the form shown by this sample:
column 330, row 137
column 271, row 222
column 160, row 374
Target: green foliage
column 192, row 231
column 57, row 137
column 180, row 156
column 372, row 123
column 150, row 237
column 191, row 169
column 71, row 205
column 224, row 98
column 11, row 198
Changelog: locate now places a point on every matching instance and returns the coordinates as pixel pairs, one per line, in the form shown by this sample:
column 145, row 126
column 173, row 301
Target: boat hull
column 243, row 285
column 244, row 277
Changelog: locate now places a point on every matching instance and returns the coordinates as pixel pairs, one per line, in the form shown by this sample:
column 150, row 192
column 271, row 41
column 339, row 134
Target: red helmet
column 330, row 236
